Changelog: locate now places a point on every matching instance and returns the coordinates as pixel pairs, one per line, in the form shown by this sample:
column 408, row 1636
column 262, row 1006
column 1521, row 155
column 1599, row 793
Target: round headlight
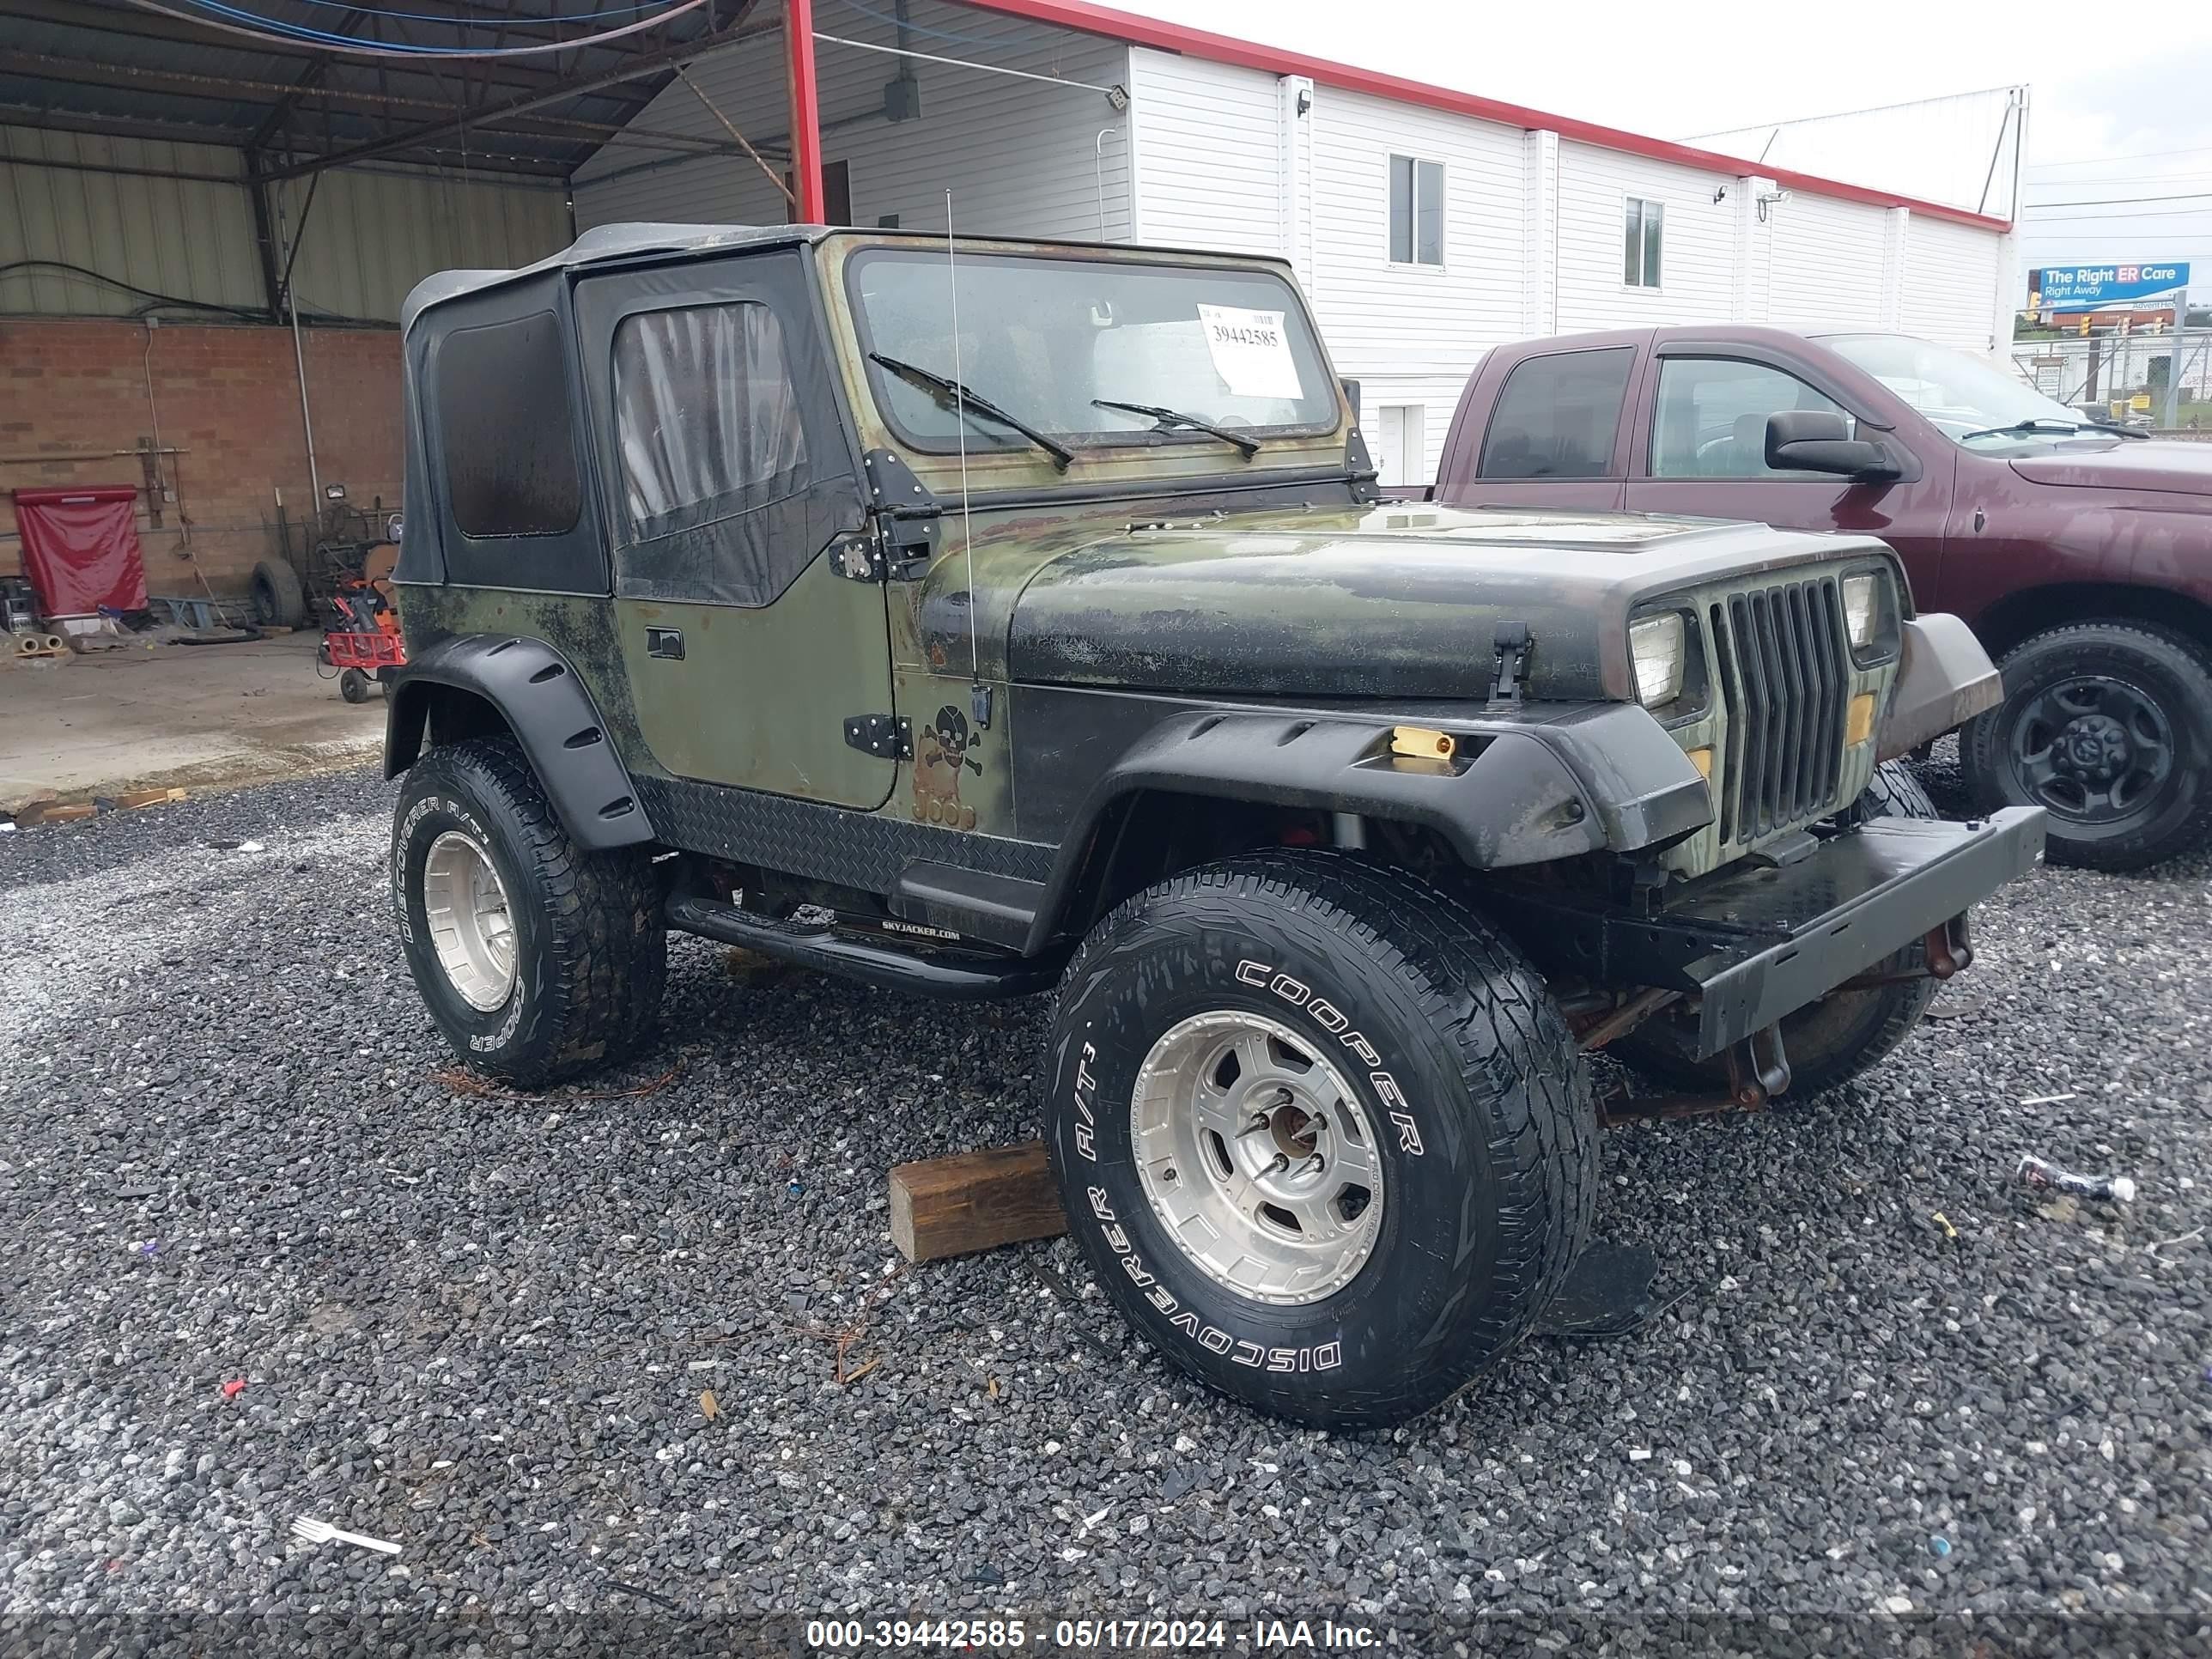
column 1861, row 608
column 1656, row 648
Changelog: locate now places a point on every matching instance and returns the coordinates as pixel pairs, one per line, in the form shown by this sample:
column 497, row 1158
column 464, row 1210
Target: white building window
column 1417, row 211
column 1644, row 231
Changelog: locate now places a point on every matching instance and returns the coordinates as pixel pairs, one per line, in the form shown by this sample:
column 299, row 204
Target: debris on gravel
column 645, row 1345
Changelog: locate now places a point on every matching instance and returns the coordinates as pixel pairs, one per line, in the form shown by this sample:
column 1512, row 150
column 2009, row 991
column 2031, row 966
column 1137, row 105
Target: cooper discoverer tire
column 1424, row 1053
column 2107, row 726
column 1830, row 1041
column 538, row 960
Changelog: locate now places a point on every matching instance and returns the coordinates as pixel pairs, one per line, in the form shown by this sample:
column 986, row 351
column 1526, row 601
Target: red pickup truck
column 2081, row 554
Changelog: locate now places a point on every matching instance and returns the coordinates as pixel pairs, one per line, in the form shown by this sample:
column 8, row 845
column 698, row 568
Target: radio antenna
column 960, row 426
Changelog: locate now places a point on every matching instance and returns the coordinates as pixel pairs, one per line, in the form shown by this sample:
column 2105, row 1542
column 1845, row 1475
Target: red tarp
column 80, row 549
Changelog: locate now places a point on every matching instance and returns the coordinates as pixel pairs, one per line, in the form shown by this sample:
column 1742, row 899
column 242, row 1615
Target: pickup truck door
column 1700, row 447
column 729, row 476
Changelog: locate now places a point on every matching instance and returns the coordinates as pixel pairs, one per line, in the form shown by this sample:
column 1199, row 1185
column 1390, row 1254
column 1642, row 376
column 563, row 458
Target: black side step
column 974, row 979
column 1000, row 908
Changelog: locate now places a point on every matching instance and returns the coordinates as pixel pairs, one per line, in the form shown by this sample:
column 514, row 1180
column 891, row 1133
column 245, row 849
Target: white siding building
column 1426, row 225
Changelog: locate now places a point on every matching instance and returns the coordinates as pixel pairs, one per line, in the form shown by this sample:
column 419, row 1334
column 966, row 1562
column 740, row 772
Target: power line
column 2072, row 215
column 1846, row 114
column 272, row 29
column 2189, row 176
column 2140, row 156
column 2121, row 201
column 2135, row 227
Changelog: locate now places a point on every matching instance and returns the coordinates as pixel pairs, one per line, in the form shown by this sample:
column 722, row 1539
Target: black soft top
column 607, row 245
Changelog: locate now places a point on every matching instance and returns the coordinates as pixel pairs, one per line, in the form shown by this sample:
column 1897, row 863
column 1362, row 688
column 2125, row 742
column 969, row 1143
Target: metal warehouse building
column 174, row 198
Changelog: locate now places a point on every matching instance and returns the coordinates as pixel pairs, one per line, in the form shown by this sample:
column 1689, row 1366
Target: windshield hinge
column 1512, row 644
column 907, row 515
column 1360, row 467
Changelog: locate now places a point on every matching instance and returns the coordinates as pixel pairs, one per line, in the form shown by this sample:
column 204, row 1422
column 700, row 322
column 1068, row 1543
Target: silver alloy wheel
column 1256, row 1157
column 470, row 927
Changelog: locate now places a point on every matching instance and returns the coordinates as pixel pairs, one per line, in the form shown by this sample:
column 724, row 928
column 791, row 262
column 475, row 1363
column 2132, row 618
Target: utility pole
column 2173, row 418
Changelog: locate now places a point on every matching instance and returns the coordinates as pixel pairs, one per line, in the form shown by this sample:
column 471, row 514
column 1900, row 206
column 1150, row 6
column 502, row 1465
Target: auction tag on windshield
column 1251, row 351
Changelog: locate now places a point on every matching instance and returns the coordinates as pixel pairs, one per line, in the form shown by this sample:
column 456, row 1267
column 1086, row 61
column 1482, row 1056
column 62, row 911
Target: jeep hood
column 1389, row 601
column 2130, row 464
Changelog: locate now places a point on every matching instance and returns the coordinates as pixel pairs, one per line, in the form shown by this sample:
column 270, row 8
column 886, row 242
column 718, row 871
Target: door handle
column 666, row 642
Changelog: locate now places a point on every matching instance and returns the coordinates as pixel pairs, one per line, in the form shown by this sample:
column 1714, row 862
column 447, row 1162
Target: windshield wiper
column 2035, row 423
column 951, row 394
column 1170, row 420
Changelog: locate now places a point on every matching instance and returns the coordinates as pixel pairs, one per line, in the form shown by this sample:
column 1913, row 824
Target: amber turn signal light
column 1858, row 720
column 1419, row 743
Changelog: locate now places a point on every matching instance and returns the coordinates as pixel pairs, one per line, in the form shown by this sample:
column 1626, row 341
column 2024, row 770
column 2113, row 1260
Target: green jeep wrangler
column 975, row 621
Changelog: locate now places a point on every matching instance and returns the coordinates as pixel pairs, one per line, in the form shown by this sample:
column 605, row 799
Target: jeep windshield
column 1050, row 339
column 1973, row 401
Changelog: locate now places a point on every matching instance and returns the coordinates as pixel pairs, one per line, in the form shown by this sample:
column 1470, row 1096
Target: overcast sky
column 2141, row 92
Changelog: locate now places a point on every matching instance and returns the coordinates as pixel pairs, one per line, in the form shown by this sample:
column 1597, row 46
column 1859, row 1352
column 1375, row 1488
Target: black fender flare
column 1525, row 785
column 545, row 704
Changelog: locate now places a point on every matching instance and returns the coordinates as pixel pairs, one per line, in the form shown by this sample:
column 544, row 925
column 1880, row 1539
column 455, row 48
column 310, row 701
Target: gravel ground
column 482, row 1325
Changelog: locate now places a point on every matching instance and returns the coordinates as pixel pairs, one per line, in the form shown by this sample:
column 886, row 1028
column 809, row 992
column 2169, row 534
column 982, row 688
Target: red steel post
column 810, row 207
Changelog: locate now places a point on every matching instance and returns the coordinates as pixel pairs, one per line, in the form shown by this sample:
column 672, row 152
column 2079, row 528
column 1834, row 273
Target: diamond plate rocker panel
column 865, row 850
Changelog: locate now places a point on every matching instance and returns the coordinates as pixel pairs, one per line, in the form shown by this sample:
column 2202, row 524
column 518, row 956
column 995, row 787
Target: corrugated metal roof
column 103, row 66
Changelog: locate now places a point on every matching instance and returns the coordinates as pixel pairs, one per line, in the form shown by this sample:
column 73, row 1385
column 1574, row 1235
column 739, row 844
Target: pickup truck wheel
column 1830, row 1041
column 2107, row 726
column 1321, row 1133
column 538, row 961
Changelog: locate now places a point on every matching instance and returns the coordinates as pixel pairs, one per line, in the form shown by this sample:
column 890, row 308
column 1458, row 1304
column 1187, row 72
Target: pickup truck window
column 1973, row 404
column 1041, row 337
column 1710, row 418
column 1557, row 415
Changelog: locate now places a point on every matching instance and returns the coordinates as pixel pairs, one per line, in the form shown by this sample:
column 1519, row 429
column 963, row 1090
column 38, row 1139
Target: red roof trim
column 1223, row 49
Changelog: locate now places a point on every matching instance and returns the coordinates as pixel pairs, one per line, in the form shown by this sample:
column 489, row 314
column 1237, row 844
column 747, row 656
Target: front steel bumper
column 1753, row 944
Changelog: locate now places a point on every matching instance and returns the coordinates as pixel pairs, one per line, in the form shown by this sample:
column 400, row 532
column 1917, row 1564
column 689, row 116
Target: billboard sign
column 2067, row 287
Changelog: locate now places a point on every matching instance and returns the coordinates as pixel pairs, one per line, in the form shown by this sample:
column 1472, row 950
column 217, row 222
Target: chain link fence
column 2130, row 378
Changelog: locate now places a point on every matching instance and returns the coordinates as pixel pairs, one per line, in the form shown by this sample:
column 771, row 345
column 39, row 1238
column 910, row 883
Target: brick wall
column 229, row 397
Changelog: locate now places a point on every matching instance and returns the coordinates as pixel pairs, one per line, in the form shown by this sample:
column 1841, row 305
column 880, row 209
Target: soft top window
column 1044, row 336
column 503, row 425
column 724, row 465
column 705, row 412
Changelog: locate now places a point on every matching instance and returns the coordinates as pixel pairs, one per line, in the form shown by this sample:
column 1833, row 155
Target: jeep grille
column 1783, row 671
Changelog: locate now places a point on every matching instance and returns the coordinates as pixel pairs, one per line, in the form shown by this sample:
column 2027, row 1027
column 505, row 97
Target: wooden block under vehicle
column 132, row 799
column 55, row 811
column 944, row 1206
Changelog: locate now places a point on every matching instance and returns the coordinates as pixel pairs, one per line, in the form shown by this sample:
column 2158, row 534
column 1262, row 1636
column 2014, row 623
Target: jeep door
column 1701, row 448
column 730, row 473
